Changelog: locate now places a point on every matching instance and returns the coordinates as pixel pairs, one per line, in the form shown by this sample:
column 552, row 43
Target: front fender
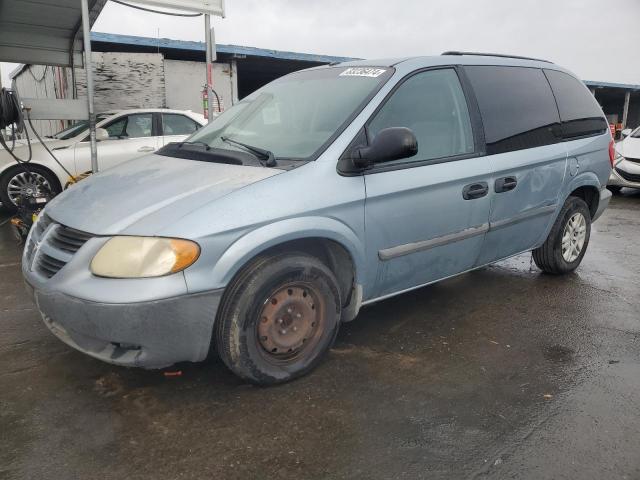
column 263, row 238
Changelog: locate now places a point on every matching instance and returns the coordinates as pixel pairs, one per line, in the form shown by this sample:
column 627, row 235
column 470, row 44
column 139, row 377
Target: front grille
column 68, row 239
column 630, row 177
column 48, row 265
column 51, row 246
column 634, row 160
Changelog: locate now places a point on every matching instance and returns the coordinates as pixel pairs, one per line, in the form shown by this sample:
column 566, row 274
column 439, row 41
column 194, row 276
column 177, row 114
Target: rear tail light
column 612, row 152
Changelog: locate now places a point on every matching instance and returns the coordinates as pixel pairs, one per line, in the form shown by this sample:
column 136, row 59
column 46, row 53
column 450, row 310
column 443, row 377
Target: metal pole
column 86, row 34
column 625, row 109
column 209, row 47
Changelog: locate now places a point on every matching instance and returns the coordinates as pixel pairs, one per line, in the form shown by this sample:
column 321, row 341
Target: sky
column 596, row 40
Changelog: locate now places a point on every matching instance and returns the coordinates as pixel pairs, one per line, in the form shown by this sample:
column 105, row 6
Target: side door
column 426, row 216
column 526, row 152
column 130, row 136
column 177, row 127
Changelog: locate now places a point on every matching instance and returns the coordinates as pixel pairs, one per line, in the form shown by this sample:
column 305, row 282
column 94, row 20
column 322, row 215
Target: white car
column 122, row 136
column 626, row 171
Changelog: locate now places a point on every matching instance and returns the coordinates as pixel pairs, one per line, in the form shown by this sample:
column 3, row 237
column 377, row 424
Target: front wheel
column 278, row 318
column 17, row 183
column 567, row 242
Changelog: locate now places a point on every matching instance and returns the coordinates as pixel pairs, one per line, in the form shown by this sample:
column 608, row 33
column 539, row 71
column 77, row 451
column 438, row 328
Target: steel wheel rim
column 27, row 185
column 573, row 237
column 291, row 322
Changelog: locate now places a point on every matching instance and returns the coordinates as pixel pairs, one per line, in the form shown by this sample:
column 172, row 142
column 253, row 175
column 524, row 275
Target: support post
column 86, row 34
column 625, row 109
column 209, row 59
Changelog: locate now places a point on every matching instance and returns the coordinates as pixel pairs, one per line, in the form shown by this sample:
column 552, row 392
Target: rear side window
column 579, row 111
column 173, row 124
column 517, row 107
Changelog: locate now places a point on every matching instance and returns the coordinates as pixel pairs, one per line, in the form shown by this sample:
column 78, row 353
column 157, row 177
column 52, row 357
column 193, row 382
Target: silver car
column 324, row 191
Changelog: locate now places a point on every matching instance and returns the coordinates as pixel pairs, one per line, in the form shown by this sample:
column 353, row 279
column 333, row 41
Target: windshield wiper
column 262, row 154
column 197, row 142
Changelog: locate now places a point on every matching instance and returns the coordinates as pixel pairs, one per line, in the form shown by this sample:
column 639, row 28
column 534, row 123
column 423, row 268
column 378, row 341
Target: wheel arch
column 587, row 187
column 330, row 240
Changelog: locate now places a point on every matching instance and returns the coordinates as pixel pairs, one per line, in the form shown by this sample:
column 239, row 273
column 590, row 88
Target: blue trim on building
column 168, row 43
column 623, row 86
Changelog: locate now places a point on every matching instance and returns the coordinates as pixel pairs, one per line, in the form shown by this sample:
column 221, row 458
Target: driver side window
column 431, row 104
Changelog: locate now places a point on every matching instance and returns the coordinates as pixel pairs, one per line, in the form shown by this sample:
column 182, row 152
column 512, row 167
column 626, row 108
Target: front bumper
column 151, row 334
column 625, row 174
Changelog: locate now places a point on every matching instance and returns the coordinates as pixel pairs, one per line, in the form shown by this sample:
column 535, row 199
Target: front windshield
column 294, row 116
column 76, row 128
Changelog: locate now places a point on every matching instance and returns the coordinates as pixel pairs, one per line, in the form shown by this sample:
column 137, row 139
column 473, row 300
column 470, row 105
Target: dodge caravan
column 324, row 191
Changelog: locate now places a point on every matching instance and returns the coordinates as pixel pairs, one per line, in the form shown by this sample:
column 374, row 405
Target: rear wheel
column 567, row 242
column 278, row 318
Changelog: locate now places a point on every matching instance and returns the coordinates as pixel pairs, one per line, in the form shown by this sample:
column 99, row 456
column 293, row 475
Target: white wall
column 184, row 82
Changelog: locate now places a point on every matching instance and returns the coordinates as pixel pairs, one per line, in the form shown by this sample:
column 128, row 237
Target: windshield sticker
column 362, row 72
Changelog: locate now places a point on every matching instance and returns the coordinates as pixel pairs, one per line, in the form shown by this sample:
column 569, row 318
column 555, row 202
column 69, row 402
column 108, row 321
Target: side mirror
column 626, row 132
column 101, row 134
column 389, row 144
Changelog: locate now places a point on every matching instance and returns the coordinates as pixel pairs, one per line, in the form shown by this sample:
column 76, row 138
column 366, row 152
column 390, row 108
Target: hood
column 629, row 147
column 142, row 196
column 22, row 148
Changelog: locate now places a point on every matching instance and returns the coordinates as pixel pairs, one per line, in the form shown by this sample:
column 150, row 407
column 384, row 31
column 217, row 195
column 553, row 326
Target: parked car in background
column 122, row 136
column 626, row 171
column 325, row 190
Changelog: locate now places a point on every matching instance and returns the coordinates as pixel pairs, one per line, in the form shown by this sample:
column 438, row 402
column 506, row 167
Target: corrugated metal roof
column 43, row 32
column 168, row 43
column 624, row 86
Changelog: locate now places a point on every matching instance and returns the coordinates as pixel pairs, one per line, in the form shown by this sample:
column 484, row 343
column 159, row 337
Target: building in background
column 140, row 72
column 620, row 102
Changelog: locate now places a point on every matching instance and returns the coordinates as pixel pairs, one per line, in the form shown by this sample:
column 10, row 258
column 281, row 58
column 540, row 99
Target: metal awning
column 43, row 32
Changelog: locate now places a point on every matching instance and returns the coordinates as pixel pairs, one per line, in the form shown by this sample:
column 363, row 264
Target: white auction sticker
column 362, row 72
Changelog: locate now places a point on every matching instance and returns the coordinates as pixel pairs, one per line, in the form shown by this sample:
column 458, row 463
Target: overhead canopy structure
column 43, row 32
column 208, row 7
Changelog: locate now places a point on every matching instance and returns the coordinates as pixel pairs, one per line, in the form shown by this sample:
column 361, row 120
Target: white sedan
column 626, row 171
column 122, row 136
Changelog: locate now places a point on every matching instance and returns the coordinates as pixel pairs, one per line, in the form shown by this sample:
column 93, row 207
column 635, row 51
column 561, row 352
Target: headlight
column 617, row 159
column 139, row 257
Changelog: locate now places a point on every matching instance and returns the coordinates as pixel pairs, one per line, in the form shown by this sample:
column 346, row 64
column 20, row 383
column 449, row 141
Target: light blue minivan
column 326, row 190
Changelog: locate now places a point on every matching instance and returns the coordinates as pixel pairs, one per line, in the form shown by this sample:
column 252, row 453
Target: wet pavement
column 499, row 373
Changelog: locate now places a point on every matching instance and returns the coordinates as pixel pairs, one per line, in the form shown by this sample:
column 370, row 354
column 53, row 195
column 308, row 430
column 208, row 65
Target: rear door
column 177, row 127
column 130, row 136
column 426, row 216
column 527, row 156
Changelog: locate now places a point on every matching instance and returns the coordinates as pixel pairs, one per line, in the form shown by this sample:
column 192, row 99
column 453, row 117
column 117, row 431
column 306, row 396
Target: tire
column 614, row 189
column 550, row 257
column 278, row 318
column 41, row 173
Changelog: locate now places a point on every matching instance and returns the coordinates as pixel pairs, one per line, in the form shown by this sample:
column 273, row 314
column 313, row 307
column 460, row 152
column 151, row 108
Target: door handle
column 475, row 190
column 146, row 149
column 505, row 184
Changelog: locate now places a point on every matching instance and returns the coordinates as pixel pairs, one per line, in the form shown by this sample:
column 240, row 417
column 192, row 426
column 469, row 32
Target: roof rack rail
column 482, row 54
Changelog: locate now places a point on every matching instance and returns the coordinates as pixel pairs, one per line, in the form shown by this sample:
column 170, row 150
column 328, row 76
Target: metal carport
column 44, row 32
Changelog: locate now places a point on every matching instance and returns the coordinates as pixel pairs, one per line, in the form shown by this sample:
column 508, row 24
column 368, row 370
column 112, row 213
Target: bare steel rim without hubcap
column 291, row 322
column 27, row 185
column 573, row 237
